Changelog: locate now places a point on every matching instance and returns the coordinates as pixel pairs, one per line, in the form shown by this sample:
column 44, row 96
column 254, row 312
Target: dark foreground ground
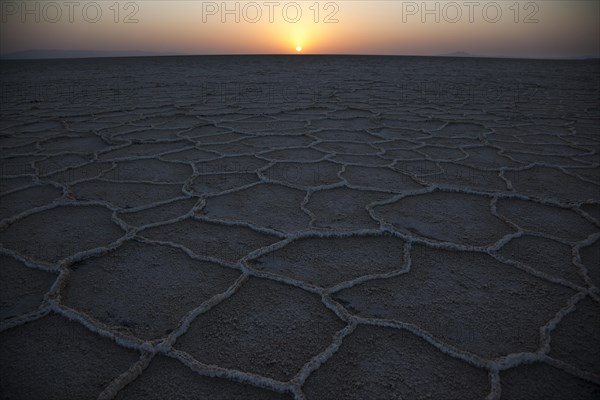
column 300, row 227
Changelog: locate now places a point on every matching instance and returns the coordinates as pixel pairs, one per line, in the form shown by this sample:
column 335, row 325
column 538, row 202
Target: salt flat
column 262, row 227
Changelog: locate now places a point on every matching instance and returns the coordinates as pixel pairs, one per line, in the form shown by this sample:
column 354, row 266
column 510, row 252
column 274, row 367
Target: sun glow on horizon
column 566, row 28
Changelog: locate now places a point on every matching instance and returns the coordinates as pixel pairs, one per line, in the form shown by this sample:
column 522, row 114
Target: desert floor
column 300, row 227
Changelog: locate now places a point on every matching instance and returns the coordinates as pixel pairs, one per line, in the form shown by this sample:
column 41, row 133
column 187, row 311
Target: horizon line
column 95, row 54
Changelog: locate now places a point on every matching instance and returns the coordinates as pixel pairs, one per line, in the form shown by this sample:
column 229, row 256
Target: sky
column 533, row 29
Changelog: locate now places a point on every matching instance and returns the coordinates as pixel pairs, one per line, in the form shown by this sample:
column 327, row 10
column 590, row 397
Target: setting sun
column 298, row 49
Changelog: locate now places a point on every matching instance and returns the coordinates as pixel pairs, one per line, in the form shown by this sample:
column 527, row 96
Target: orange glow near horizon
column 563, row 28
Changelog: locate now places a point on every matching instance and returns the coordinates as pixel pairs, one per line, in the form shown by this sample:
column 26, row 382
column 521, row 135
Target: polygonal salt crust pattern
column 263, row 126
column 460, row 129
column 220, row 138
column 351, row 112
column 275, row 141
column 79, row 148
column 238, row 164
column 589, row 258
column 229, row 243
column 125, row 194
column 340, row 135
column 354, row 159
column 299, row 154
column 308, row 259
column 20, row 150
column 55, row 359
column 551, row 183
column 343, row 208
column 542, row 381
column 19, row 165
column 576, row 339
column 151, row 170
column 375, row 178
column 347, row 148
column 266, row 205
column 546, row 129
column 454, row 176
column 304, row 174
column 453, row 142
column 83, row 172
column 121, row 128
column 10, row 142
column 429, row 125
column 114, row 288
column 439, row 153
column 200, row 131
column 545, row 255
column 501, row 308
column 151, row 134
column 37, row 128
column 467, row 219
column 401, row 154
column 399, row 144
column 344, row 124
column 541, row 149
column 230, row 149
column 56, row 163
column 22, row 288
column 417, row 167
column 192, row 155
column 217, row 183
column 553, row 221
column 16, row 202
column 553, row 160
column 487, row 157
column 267, row 328
column 159, row 213
column 593, row 210
column 10, row 184
column 82, row 144
column 174, row 121
column 166, row 378
column 383, row 363
column 166, row 116
column 589, row 174
column 52, row 235
column 142, row 149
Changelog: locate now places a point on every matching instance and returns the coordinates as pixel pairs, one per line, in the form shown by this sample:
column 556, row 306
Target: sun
column 298, row 49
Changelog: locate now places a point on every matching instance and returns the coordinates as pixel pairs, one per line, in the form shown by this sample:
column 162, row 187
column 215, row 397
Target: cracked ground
column 300, row 228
